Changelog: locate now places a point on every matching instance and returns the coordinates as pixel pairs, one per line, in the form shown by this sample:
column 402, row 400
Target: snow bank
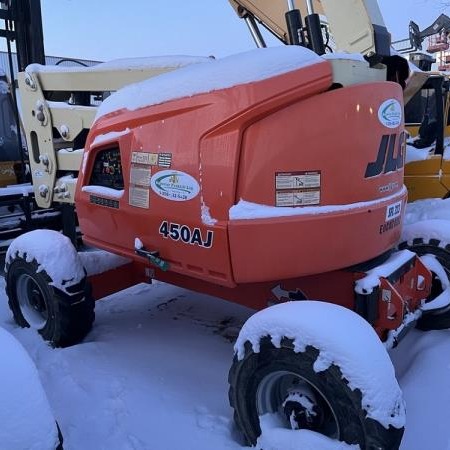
column 275, row 437
column 25, row 416
column 420, row 154
column 246, row 210
column 428, row 209
column 417, row 154
column 53, row 252
column 426, row 230
column 360, row 355
column 234, row 70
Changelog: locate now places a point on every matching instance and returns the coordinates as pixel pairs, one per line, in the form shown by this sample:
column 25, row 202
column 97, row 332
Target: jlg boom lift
column 236, row 178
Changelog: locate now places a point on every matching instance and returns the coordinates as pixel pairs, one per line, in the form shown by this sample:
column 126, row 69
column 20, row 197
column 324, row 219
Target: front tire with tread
column 67, row 316
column 345, row 404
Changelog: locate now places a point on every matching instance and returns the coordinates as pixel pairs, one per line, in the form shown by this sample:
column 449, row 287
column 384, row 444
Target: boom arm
column 271, row 13
column 357, row 25
column 416, row 37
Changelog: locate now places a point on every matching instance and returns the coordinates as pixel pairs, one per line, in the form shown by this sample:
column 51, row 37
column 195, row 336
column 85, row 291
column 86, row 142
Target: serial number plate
column 393, row 211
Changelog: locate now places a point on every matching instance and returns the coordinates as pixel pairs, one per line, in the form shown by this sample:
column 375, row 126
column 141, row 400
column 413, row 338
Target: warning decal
column 297, row 188
column 144, row 158
column 139, row 197
column 140, row 174
column 162, row 159
column 165, row 160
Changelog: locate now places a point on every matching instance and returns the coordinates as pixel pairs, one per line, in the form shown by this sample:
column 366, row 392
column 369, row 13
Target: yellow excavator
column 427, row 172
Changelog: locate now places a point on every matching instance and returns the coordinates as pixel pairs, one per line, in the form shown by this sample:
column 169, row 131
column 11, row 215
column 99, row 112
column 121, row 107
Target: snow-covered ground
column 153, row 375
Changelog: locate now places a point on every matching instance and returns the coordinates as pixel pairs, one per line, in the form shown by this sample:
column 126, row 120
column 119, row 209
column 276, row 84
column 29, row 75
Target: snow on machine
column 273, row 179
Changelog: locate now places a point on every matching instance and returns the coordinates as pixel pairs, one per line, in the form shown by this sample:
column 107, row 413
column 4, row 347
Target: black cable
column 71, row 60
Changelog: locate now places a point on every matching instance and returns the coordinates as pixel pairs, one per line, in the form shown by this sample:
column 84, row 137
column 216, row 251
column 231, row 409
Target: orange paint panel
column 116, row 280
column 311, row 136
column 288, row 247
column 233, row 144
column 203, row 136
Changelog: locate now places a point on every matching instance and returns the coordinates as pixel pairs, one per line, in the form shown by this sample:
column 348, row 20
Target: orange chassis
column 238, row 143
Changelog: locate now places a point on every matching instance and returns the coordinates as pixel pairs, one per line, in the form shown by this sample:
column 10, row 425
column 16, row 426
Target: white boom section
column 272, row 13
column 352, row 22
column 52, row 122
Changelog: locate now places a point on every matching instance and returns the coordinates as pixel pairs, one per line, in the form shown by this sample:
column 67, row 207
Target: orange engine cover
column 269, row 180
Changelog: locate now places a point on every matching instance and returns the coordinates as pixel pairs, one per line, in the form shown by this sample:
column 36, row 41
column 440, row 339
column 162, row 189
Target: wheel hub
column 297, row 402
column 31, row 301
column 302, row 409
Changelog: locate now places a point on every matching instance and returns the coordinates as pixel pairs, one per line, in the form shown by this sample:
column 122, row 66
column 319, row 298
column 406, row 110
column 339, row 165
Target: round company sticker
column 174, row 185
column 390, row 113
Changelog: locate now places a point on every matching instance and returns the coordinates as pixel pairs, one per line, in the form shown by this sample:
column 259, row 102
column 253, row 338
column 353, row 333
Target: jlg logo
column 386, row 160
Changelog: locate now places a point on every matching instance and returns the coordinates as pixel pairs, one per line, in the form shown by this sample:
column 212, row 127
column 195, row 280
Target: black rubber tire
column 354, row 427
column 439, row 319
column 70, row 314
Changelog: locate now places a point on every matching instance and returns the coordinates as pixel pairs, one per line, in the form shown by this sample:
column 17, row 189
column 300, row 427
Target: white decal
column 140, row 175
column 298, row 198
column 393, row 211
column 175, row 185
column 139, row 197
column 390, row 113
column 144, row 158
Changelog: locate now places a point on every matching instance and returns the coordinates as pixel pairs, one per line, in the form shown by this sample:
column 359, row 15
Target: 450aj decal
column 386, row 160
column 178, row 232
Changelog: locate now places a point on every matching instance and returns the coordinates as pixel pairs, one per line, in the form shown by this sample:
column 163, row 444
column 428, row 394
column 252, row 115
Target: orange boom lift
column 251, row 188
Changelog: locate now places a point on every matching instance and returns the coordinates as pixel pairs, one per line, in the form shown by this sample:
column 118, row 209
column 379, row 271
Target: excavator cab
column 424, row 114
column 427, row 170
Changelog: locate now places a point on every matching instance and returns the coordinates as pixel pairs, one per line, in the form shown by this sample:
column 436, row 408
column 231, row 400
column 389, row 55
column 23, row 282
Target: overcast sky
column 108, row 29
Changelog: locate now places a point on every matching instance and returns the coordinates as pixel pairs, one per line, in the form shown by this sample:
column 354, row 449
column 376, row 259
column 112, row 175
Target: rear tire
column 260, row 384
column 438, row 319
column 61, row 317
